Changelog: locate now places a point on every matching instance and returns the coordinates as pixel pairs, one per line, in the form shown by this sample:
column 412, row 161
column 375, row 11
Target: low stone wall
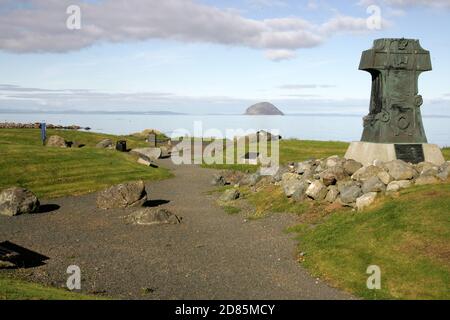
column 37, row 125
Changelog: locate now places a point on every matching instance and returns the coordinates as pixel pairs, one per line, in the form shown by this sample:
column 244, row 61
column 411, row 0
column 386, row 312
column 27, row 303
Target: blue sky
column 209, row 56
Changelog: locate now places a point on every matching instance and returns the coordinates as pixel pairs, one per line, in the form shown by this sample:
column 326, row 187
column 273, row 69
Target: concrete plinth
column 367, row 152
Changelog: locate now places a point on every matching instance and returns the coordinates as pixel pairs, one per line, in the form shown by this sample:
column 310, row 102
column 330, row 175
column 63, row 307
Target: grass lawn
column 292, row 151
column 407, row 237
column 55, row 172
column 12, row 289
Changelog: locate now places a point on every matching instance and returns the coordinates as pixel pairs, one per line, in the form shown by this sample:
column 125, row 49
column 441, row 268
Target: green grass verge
column 407, row 237
column 55, row 172
column 292, row 151
column 12, row 289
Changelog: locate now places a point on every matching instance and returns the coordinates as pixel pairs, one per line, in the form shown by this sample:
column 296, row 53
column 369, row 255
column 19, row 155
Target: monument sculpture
column 393, row 129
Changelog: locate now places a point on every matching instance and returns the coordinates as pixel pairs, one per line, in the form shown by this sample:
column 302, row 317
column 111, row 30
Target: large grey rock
column 349, row 192
column 250, row 179
column 218, row 180
column 395, row 186
column 400, row 170
column 332, row 194
column 56, row 141
column 374, row 184
column 425, row 166
column 105, row 143
column 317, row 191
column 290, row 182
column 351, row 166
column 365, row 173
column 334, row 174
column 131, row 194
column 151, row 153
column 426, row 179
column 229, row 195
column 278, row 176
column 365, row 200
column 304, row 166
column 444, row 171
column 385, row 177
column 334, row 161
column 300, row 188
column 153, row 216
column 15, row 201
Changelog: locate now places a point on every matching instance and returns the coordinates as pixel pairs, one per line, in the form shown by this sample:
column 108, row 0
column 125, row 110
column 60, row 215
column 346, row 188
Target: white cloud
column 410, row 3
column 40, row 26
column 279, row 55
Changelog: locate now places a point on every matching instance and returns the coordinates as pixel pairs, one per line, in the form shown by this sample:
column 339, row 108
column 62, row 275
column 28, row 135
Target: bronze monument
column 393, row 129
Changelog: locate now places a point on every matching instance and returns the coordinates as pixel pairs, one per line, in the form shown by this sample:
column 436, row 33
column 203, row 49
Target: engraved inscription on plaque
column 410, row 152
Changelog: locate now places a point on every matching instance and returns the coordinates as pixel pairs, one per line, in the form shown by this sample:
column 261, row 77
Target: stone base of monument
column 367, row 152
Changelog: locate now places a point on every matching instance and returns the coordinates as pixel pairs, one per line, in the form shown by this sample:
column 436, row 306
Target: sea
column 300, row 126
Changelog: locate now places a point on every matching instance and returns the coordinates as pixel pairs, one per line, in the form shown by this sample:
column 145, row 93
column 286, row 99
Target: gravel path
column 210, row 255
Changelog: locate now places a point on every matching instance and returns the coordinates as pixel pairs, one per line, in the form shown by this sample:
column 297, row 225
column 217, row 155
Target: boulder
column 56, row 141
column 151, row 153
column 15, row 201
column 332, row 194
column 374, row 184
column 333, row 175
column 153, row 216
column 365, row 173
column 144, row 161
column 425, row 166
column 317, row 191
column 426, row 179
column 400, row 170
column 299, row 189
column 334, row 161
column 229, row 195
column 395, row 186
column 444, row 171
column 218, row 180
column 290, row 183
column 278, row 176
column 131, row 194
column 105, row 143
column 351, row 166
column 349, row 192
column 385, row 177
column 304, row 166
column 250, row 180
column 365, row 200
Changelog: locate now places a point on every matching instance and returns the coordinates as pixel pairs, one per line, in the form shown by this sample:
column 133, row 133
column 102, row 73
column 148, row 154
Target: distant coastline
column 170, row 113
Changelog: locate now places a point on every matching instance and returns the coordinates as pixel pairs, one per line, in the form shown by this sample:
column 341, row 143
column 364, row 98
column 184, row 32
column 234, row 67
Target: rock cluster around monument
column 338, row 180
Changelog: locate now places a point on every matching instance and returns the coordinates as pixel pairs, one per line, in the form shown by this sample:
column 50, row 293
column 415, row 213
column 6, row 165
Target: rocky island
column 263, row 109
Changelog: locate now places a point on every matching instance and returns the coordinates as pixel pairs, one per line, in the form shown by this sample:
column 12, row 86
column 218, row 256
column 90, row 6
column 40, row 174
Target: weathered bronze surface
column 395, row 66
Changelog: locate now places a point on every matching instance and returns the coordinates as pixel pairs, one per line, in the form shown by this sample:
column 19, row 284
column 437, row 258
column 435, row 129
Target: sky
column 205, row 56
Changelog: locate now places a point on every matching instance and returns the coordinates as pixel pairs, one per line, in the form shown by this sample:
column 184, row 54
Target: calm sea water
column 310, row 127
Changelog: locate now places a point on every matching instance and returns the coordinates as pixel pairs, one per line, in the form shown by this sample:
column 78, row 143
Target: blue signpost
column 43, row 133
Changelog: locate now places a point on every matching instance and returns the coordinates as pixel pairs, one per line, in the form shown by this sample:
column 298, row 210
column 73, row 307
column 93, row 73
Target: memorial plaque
column 410, row 153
